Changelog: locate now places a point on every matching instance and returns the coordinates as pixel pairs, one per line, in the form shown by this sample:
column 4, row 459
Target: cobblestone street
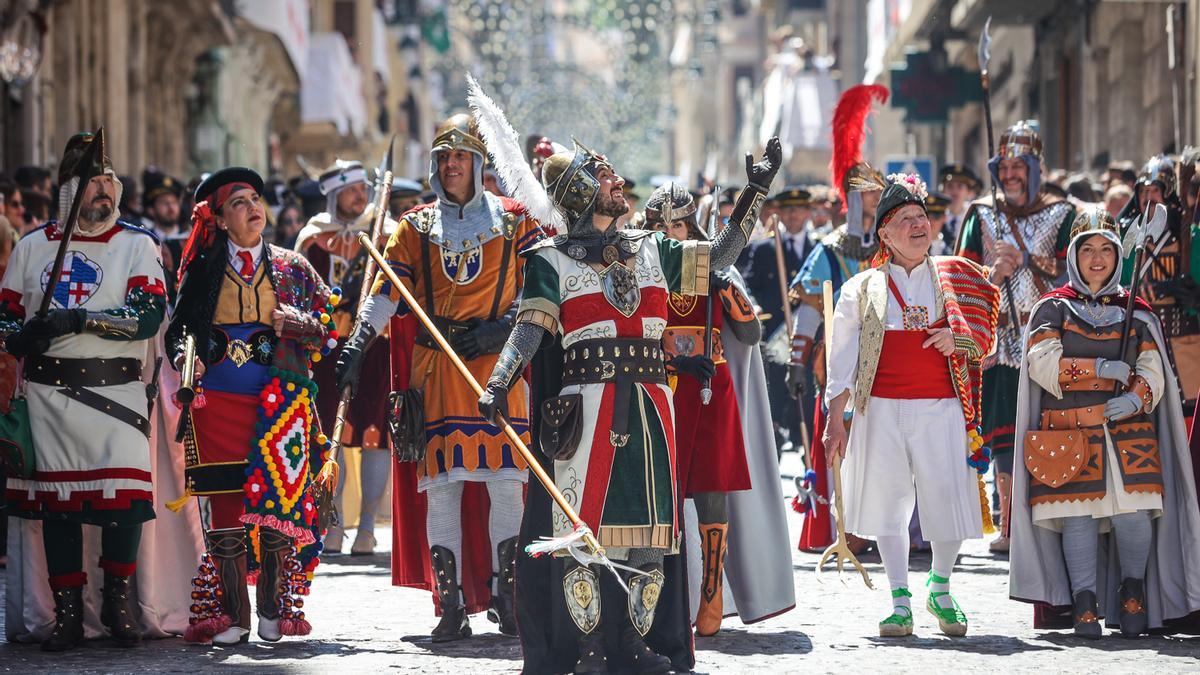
column 361, row 624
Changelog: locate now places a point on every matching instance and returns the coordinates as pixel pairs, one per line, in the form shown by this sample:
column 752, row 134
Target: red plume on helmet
column 849, row 130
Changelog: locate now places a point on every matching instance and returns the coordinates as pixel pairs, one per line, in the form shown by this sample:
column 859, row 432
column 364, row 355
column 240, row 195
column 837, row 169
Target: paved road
column 363, row 624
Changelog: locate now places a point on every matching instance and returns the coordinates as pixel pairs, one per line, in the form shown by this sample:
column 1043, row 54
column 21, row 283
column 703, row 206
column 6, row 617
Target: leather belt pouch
column 561, row 426
column 1055, row 457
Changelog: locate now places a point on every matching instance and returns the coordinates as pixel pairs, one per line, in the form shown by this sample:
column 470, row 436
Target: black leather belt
column 623, row 361
column 75, row 375
column 57, row 371
column 447, row 327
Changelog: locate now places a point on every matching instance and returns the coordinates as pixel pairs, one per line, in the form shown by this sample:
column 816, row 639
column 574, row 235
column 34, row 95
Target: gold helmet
column 1093, row 219
column 459, row 132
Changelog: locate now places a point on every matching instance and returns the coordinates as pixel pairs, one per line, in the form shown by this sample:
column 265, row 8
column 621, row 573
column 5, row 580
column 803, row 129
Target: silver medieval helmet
column 570, row 179
column 1023, row 140
column 1160, row 169
column 669, row 202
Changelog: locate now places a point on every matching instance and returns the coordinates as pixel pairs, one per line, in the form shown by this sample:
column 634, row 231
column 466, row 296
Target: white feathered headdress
column 504, row 146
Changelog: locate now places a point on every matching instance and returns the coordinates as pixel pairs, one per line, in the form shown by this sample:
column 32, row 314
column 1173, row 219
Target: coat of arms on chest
column 682, row 304
column 916, row 318
column 620, row 287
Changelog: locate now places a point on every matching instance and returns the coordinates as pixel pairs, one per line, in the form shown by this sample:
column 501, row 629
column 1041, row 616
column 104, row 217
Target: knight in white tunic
column 88, row 411
column 906, row 343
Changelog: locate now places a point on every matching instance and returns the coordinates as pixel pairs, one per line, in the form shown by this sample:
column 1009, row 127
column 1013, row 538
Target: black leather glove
column 797, row 379
column 349, row 361
column 24, row 343
column 762, row 173
column 699, row 367
column 483, row 337
column 58, row 322
column 494, row 400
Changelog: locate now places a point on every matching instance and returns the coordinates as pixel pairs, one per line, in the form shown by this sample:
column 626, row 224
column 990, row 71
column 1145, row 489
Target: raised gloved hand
column 797, row 379
column 349, row 361
column 762, row 173
column 1123, row 406
column 482, row 337
column 494, row 400
column 699, row 367
column 1112, row 369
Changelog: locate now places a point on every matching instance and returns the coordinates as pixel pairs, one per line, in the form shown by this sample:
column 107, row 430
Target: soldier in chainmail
column 1025, row 241
column 607, row 421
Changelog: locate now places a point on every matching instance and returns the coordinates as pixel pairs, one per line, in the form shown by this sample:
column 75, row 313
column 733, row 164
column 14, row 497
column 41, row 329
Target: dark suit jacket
column 762, row 278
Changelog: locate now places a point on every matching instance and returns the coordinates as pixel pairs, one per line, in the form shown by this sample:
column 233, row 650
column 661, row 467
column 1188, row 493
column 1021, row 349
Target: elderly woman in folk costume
column 1104, row 521
column 259, row 315
column 907, row 339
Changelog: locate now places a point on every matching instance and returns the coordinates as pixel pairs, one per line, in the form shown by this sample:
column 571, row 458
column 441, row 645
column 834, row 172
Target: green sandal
column 951, row 620
column 898, row 624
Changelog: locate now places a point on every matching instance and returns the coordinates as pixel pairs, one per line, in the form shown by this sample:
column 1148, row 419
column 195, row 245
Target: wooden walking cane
column 543, row 478
column 840, row 549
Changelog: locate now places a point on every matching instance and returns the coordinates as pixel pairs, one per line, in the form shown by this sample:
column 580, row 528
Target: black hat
column 628, row 188
column 793, row 195
column 936, row 203
column 961, row 173
column 900, row 193
column 77, row 145
column 155, row 183
column 226, row 178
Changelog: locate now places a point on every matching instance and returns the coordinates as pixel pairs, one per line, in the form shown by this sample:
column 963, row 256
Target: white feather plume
column 514, row 172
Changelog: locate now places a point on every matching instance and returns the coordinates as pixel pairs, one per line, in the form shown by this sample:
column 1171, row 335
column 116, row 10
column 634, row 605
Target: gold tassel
column 178, row 504
column 985, row 509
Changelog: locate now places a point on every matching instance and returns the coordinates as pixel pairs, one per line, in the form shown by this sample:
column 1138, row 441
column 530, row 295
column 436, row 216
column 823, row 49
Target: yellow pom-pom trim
column 316, row 357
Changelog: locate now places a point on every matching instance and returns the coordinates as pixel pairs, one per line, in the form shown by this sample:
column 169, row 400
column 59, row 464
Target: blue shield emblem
column 462, row 268
column 76, row 284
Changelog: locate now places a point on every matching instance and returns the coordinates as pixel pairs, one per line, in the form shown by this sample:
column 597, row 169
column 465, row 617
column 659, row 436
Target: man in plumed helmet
column 1024, row 239
column 599, row 294
column 87, row 409
column 460, row 257
column 330, row 242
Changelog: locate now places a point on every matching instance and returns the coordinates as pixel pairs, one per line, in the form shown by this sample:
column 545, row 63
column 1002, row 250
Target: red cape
column 410, row 547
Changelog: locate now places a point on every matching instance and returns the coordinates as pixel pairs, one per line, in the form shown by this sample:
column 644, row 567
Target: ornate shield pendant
column 620, row 287
column 916, row 318
column 644, row 590
column 581, row 589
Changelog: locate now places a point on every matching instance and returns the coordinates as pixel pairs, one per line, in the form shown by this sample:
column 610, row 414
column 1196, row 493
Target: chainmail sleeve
column 518, row 350
column 729, row 243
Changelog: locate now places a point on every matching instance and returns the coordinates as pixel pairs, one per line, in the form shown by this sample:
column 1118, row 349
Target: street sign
column 923, row 166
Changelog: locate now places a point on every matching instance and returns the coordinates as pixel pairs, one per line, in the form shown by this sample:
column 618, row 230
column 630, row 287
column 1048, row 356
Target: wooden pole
column 534, row 466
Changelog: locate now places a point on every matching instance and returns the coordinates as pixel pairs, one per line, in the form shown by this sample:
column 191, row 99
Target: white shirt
column 255, row 253
column 916, row 288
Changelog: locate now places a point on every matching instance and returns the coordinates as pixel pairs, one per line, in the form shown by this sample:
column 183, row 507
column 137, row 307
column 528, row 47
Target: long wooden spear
column 500, row 420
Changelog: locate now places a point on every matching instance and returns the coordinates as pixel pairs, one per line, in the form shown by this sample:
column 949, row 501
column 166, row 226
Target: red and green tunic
column 625, row 494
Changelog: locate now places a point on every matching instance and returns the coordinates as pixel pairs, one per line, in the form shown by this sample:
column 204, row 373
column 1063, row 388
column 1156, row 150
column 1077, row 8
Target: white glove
column 1123, row 406
column 1112, row 369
